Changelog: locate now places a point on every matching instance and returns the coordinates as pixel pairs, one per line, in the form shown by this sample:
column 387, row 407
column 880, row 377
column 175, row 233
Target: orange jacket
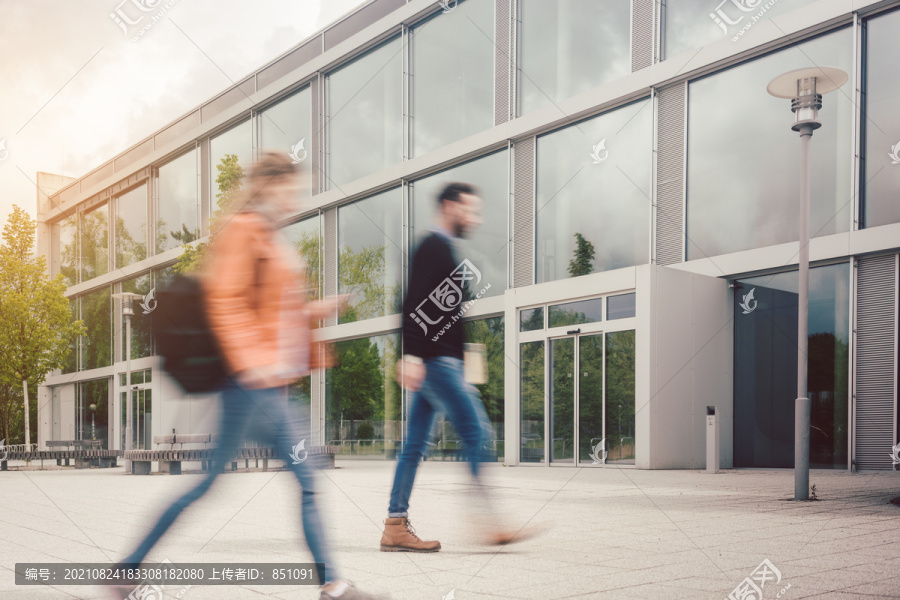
column 253, row 296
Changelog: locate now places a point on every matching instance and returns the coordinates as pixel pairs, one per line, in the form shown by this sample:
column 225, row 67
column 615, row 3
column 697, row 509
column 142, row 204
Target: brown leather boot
column 399, row 536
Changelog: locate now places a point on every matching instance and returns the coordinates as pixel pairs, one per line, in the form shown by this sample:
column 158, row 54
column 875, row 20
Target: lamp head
column 128, row 299
column 804, row 88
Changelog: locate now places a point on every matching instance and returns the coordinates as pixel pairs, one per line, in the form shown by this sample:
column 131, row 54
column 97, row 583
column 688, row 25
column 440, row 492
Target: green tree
column 363, row 272
column 36, row 324
column 229, row 182
column 357, row 382
column 583, row 261
column 308, row 248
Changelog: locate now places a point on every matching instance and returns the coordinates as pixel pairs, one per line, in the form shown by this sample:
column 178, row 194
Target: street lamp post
column 93, row 407
column 128, row 299
column 804, row 88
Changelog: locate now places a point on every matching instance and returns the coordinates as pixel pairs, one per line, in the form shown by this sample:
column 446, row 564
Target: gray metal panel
column 315, row 144
column 296, row 59
column 503, row 61
column 876, row 360
column 329, row 258
column 670, row 174
column 642, row 34
column 523, row 212
column 359, row 20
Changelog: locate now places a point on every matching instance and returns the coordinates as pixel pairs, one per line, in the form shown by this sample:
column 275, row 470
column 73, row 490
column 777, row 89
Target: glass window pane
column 575, row 313
column 96, row 346
column 590, row 398
column 620, row 307
column 72, row 357
column 140, row 322
column 882, row 124
column 287, row 127
column 453, row 75
column 620, row 424
column 765, row 368
column 229, row 154
column 95, row 242
column 531, row 319
column 163, row 277
column 744, row 173
column 562, row 399
column 599, row 167
column 365, row 115
column 559, row 45
column 131, row 226
column 306, row 238
column 65, row 249
column 691, row 24
column 490, row 333
column 532, row 397
column 362, row 398
column 93, row 410
column 178, row 206
column 370, row 258
column 486, row 248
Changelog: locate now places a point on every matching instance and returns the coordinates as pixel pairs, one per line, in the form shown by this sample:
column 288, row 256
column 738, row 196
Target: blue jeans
column 443, row 391
column 274, row 423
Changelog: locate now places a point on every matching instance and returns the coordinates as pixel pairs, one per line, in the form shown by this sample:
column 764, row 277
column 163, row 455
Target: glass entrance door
column 575, row 397
column 562, row 400
column 590, row 399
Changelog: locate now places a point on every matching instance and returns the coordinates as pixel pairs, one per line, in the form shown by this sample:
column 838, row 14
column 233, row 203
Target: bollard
column 712, row 439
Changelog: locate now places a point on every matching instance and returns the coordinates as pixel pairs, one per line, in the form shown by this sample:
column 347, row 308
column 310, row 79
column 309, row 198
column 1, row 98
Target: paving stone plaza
column 604, row 533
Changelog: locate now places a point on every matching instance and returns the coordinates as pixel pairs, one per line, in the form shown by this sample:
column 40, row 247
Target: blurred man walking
column 432, row 365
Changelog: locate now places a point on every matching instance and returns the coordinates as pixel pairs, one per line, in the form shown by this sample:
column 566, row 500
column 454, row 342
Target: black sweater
column 432, row 324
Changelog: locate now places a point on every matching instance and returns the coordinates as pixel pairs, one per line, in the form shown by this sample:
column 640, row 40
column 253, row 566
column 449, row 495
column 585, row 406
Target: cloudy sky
column 74, row 91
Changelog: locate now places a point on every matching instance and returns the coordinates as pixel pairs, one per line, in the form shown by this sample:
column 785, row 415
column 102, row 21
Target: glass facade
column 593, row 213
column 92, row 411
column 567, row 47
column 452, row 75
column 590, row 396
column 94, row 234
column 230, row 156
column 131, row 226
column 370, row 256
column 690, row 24
column 531, row 397
column 490, row 332
column 142, row 410
column 363, row 402
column 575, row 313
column 531, row 319
column 65, row 249
column 486, row 249
column 621, row 307
column 364, row 121
column 306, row 238
column 743, row 174
column 71, row 364
column 765, row 368
column 881, row 165
column 97, row 345
column 620, row 413
column 287, row 127
column 599, row 168
column 178, row 204
column 141, row 337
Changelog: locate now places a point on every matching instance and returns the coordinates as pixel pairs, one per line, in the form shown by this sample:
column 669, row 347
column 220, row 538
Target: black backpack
column 184, row 339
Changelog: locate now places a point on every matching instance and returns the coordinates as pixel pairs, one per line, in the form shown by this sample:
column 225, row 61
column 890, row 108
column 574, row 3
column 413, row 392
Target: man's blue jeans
column 274, row 423
column 443, row 391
